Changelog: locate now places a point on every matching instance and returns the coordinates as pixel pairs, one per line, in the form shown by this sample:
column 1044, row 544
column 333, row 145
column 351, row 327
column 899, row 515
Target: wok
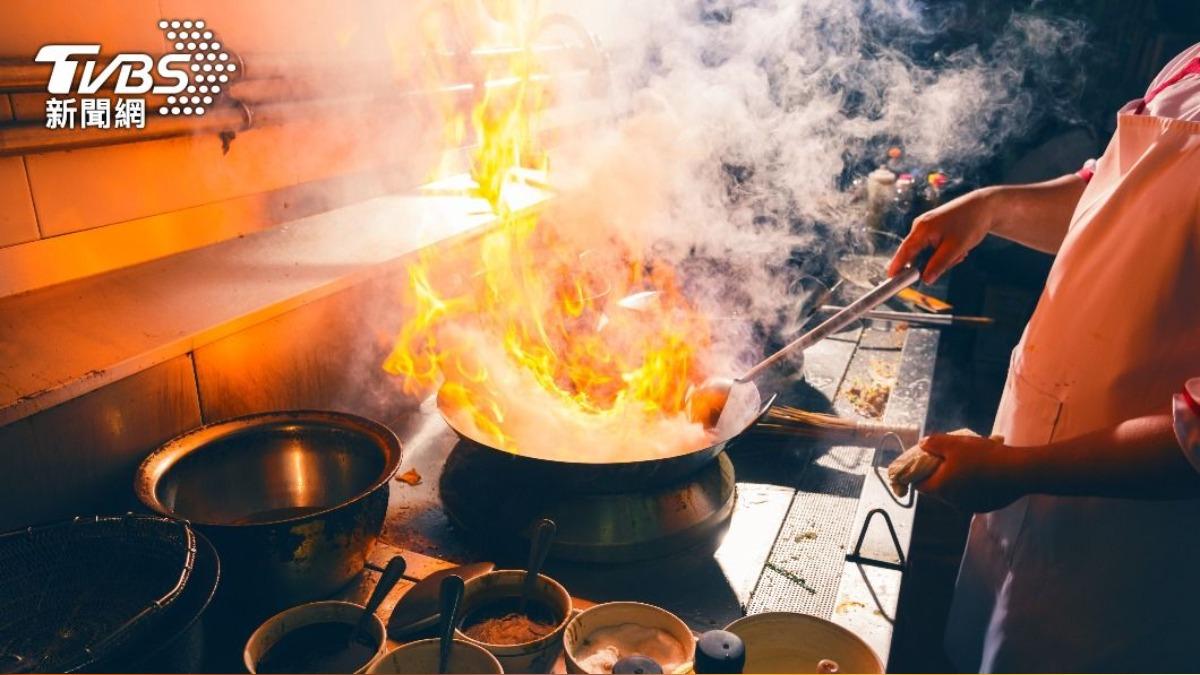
column 606, row 477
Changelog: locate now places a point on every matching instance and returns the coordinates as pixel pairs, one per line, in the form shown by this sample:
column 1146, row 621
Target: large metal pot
column 293, row 501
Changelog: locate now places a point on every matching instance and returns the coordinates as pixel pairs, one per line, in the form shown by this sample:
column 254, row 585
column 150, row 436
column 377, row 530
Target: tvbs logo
column 191, row 77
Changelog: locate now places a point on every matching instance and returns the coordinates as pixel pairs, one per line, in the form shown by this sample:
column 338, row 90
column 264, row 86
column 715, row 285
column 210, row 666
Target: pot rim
column 160, row 461
column 800, row 616
column 569, row 648
column 305, row 607
column 521, row 647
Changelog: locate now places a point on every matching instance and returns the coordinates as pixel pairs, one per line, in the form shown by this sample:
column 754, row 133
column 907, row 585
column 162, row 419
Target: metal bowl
column 293, row 501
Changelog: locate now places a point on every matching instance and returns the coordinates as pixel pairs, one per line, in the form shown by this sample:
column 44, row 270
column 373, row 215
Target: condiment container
column 325, row 611
column 422, row 657
column 612, row 614
column 535, row 656
column 788, row 642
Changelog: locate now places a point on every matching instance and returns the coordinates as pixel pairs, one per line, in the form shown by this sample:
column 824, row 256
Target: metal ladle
column 706, row 402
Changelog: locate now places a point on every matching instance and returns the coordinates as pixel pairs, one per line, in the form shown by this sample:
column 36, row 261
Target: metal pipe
column 254, row 104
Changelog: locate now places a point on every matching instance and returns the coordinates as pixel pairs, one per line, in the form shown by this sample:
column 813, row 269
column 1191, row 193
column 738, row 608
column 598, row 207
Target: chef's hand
column 952, row 229
column 975, row 473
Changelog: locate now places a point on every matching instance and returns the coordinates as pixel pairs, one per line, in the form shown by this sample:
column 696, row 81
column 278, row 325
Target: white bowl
column 617, row 613
column 422, row 657
column 324, row 611
column 788, row 642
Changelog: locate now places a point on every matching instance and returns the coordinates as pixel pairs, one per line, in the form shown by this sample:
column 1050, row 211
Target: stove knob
column 636, row 664
column 719, row 651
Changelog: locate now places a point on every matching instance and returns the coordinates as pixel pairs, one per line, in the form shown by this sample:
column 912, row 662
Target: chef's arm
column 1036, row 215
column 1139, row 458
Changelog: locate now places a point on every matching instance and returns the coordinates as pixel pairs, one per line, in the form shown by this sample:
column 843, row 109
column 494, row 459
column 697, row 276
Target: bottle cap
column 719, row 651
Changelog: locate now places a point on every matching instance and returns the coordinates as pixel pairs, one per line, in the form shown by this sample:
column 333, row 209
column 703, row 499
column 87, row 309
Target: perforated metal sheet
column 805, row 567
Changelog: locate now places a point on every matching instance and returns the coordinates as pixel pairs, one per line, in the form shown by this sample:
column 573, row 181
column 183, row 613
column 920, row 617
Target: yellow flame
column 536, row 297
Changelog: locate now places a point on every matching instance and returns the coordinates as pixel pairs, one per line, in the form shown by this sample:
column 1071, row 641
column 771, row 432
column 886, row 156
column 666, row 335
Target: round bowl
column 293, row 501
column 527, row 657
column 325, row 611
column 788, row 642
column 617, row 613
column 422, row 657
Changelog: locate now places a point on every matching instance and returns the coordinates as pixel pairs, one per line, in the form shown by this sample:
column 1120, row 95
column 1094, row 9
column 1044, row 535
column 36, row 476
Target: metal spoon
column 387, row 581
column 451, row 596
column 539, row 546
column 706, row 402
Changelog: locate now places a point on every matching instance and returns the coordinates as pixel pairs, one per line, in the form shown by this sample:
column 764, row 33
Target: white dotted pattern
column 209, row 65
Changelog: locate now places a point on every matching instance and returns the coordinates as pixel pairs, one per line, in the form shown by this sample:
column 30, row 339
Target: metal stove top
column 799, row 511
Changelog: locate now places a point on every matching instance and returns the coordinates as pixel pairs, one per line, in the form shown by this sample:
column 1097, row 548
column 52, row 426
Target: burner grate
column 805, row 567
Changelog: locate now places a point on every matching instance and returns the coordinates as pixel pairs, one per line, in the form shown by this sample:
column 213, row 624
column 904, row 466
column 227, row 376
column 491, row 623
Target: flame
column 542, row 308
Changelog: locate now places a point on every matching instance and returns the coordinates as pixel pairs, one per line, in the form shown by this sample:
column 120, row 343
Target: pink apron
column 1053, row 584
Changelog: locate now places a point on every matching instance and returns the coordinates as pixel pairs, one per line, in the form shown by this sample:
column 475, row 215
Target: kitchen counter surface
column 800, row 507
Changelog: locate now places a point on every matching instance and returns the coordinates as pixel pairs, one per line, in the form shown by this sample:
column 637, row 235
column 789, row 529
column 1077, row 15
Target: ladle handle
column 451, row 592
column 387, row 581
column 854, row 311
column 539, row 547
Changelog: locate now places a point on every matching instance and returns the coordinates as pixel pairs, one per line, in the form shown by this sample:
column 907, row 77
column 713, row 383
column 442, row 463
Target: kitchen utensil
column 419, row 608
column 585, row 477
column 422, row 656
column 177, row 644
column 917, row 317
column 75, row 593
column 387, row 581
column 502, row 588
column 790, row 642
column 451, row 596
column 322, row 611
column 291, row 500
column 611, row 614
column 539, row 546
column 707, row 402
column 788, row 421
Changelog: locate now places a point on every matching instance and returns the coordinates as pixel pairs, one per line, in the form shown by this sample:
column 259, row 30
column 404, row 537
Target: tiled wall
column 79, row 458
column 150, row 190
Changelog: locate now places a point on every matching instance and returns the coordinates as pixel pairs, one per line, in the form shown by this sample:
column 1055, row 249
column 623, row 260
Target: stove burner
column 499, row 507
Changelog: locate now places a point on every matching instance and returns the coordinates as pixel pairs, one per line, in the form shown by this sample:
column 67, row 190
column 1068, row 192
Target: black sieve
column 75, row 592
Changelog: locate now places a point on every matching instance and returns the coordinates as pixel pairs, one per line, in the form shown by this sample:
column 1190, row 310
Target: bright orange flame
column 547, row 305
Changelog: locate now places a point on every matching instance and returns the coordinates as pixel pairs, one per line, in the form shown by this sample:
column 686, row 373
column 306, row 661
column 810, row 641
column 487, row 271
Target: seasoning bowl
column 612, row 614
column 789, row 642
column 500, row 585
column 325, row 611
column 422, row 657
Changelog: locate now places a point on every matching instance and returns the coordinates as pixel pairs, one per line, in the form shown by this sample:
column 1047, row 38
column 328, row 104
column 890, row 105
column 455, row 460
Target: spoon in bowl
column 539, row 547
column 451, row 596
column 387, row 581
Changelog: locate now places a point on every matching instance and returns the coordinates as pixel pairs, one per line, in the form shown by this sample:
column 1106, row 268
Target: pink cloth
column 1174, row 93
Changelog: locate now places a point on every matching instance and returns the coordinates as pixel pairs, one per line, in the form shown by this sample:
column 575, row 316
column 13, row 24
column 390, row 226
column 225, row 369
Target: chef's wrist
column 1017, row 472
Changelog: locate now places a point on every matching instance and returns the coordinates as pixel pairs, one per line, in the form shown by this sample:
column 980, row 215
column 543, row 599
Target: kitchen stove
column 498, row 508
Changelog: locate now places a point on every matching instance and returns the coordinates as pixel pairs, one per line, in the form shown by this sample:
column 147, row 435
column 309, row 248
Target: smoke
column 742, row 124
column 734, row 132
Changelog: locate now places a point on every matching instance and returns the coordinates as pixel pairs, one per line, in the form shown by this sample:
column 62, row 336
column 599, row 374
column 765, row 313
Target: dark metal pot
column 605, row 477
column 293, row 501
